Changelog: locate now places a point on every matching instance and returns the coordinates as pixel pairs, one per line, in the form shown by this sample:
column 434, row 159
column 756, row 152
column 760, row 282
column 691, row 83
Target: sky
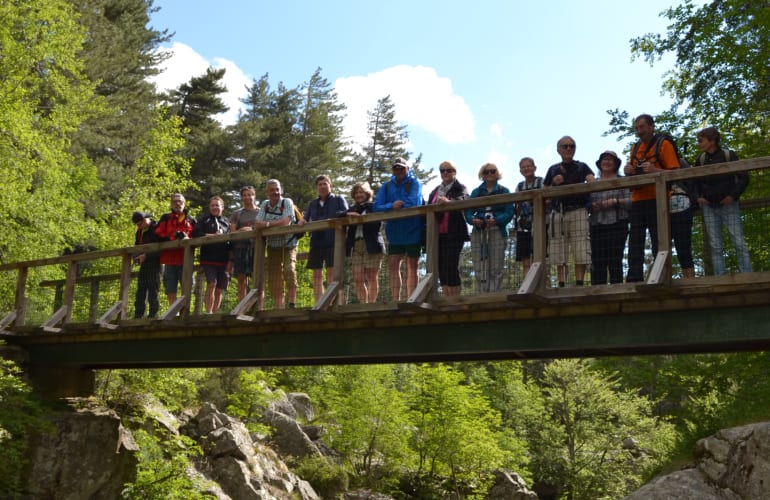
column 474, row 82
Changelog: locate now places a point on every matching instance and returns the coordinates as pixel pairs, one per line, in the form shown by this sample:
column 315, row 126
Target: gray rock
column 302, row 406
column 731, row 464
column 510, row 486
column 88, row 455
column 289, row 438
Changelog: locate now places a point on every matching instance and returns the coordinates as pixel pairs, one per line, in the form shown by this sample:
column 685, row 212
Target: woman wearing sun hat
column 609, row 224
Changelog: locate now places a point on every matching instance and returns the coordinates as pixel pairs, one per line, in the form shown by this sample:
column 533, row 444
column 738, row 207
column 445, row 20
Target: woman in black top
column 365, row 245
column 452, row 229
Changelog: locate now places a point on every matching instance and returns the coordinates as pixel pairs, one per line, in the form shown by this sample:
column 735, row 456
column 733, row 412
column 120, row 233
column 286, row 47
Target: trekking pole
column 484, row 258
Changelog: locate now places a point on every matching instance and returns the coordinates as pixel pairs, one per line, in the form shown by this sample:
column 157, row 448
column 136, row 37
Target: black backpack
column 681, row 187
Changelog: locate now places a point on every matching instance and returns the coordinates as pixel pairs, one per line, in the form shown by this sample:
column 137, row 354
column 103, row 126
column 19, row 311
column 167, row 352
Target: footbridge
column 65, row 316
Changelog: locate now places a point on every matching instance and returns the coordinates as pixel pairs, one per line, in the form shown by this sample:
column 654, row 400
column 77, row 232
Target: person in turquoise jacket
column 405, row 236
column 490, row 231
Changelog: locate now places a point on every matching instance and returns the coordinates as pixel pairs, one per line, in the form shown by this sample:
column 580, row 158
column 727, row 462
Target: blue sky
column 490, row 80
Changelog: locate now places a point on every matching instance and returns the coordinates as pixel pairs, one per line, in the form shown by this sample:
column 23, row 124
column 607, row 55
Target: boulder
column 289, row 439
column 88, row 454
column 731, row 464
column 510, row 486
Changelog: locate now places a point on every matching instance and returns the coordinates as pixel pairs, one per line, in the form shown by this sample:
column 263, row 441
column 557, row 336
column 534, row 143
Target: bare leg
column 359, row 278
column 171, row 298
column 394, row 274
column 243, row 282
column 561, row 270
column 450, row 291
column 580, row 271
column 218, row 293
column 411, row 275
column 318, row 283
column 208, row 297
column 373, row 283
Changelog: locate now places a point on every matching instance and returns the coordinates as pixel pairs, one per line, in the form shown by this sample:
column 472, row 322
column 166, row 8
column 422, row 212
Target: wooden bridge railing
column 659, row 274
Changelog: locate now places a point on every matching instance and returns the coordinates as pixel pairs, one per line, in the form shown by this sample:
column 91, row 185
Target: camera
column 639, row 169
column 179, row 235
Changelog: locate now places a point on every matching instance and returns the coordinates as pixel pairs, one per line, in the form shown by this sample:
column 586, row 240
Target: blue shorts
column 318, row 255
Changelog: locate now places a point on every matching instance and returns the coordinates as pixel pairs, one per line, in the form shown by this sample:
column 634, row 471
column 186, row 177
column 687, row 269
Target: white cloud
column 496, row 130
column 185, row 63
column 421, row 98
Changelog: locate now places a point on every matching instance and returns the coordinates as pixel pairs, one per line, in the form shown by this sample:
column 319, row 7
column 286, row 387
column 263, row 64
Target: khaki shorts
column 569, row 234
column 281, row 266
column 360, row 257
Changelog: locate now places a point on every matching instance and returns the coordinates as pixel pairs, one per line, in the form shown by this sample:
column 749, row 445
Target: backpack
column 702, row 157
column 682, row 192
column 298, row 216
column 523, row 209
column 740, row 180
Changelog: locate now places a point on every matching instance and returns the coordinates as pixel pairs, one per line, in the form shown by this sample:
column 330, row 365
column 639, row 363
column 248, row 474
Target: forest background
column 86, row 139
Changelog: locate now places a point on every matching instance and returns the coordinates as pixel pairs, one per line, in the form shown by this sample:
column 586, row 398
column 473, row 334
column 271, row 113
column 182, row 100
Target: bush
column 327, row 478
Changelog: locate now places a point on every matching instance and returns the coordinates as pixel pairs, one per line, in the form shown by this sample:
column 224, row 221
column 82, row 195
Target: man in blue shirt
column 405, row 236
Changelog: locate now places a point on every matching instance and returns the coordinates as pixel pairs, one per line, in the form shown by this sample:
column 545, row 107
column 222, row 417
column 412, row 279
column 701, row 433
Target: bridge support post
column 59, row 381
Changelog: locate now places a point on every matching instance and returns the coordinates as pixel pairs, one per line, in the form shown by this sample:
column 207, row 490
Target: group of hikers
column 585, row 229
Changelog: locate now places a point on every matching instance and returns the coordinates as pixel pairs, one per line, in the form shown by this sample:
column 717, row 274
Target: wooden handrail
column 538, row 198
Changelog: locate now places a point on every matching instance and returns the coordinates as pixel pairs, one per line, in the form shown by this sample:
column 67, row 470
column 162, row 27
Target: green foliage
column 292, row 134
column 20, row 417
column 456, row 431
column 46, row 97
column 366, row 418
column 249, row 396
column 131, row 390
column 721, row 74
column 386, row 142
column 599, row 432
column 328, row 479
column 162, row 469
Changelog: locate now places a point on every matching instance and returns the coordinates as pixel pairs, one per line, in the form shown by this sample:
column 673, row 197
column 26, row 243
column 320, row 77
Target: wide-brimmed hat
column 612, row 154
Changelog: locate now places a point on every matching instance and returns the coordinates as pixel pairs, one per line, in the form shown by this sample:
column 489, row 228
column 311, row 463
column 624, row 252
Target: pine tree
column 120, row 54
column 386, row 143
column 197, row 103
column 321, row 145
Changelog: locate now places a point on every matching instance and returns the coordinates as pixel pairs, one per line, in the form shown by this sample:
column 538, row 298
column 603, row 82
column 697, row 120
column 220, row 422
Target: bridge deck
column 690, row 315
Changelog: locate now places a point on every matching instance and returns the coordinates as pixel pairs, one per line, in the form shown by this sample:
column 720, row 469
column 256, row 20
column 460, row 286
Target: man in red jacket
column 175, row 225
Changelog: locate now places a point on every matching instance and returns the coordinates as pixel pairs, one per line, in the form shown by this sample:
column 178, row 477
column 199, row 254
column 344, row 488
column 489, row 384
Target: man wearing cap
column 569, row 224
column 405, row 236
column 148, row 282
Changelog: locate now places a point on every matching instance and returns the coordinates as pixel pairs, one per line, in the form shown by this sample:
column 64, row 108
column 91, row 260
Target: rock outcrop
column 90, row 455
column 731, row 464
column 289, row 437
column 510, row 486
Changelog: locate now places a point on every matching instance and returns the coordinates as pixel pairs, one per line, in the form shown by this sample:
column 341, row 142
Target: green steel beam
column 703, row 330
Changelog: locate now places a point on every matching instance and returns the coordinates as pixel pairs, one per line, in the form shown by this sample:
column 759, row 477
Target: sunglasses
column 487, row 172
column 568, row 146
column 445, row 170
